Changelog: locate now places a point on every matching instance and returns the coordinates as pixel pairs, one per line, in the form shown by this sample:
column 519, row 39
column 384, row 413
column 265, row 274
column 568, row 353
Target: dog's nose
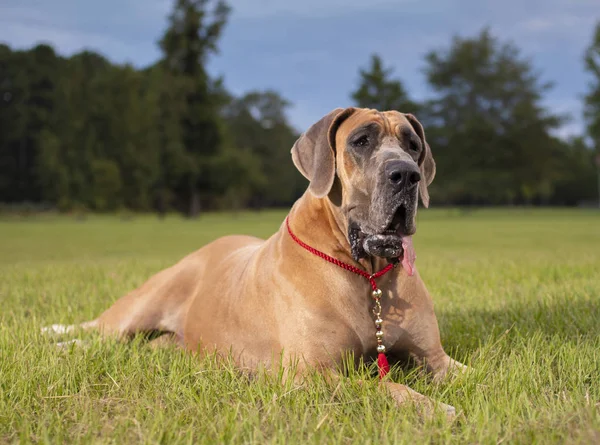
column 402, row 174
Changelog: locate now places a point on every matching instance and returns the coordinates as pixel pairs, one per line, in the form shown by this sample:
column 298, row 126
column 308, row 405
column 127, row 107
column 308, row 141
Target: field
column 517, row 294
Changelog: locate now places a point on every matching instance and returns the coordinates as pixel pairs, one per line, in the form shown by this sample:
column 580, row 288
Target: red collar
column 382, row 362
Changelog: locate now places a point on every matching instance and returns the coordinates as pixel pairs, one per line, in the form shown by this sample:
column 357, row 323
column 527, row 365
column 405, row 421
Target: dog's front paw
column 427, row 408
column 453, row 369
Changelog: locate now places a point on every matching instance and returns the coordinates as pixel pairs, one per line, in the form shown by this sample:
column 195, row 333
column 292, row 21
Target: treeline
column 493, row 140
column 84, row 133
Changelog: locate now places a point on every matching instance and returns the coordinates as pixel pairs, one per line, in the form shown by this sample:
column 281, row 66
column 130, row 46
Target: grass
column 517, row 295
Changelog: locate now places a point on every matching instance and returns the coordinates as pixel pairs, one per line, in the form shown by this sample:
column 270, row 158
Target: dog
column 279, row 301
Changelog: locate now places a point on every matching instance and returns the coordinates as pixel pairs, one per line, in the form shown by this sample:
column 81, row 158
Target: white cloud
column 570, row 107
column 253, row 9
column 68, row 41
column 575, row 128
column 70, row 32
column 19, row 13
column 559, row 24
column 536, row 25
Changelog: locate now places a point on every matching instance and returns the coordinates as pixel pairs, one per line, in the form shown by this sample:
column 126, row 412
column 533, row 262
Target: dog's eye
column 362, row 141
column 414, row 146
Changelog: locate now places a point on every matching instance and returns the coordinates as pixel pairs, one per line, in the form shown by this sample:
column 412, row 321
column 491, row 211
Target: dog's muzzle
column 392, row 214
column 402, row 175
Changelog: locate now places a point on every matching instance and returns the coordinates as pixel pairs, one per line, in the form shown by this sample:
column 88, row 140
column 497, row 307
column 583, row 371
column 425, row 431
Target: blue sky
column 310, row 50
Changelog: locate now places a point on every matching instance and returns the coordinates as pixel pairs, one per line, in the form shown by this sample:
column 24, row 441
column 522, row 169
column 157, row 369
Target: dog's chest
column 353, row 327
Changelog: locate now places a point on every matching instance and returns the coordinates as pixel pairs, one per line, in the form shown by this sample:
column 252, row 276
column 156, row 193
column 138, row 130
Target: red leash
column 382, row 362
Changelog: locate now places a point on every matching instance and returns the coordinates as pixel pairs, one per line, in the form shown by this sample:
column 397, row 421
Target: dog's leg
column 427, row 349
column 158, row 305
column 449, row 367
column 425, row 346
column 414, row 323
column 168, row 340
column 403, row 395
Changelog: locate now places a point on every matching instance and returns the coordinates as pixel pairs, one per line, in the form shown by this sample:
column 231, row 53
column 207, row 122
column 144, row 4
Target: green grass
column 517, row 294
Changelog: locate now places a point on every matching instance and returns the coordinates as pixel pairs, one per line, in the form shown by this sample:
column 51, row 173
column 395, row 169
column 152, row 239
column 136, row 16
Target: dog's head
column 371, row 165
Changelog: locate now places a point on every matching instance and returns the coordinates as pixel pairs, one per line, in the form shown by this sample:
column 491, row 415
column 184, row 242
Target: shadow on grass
column 568, row 319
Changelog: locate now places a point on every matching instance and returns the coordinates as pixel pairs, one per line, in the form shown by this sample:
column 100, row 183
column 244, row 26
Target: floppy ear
column 314, row 152
column 426, row 162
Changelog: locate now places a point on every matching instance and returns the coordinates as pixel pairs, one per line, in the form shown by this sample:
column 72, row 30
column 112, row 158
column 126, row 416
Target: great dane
column 273, row 302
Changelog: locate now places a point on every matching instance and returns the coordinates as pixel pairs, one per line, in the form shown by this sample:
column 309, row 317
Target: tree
column 377, row 90
column 188, row 42
column 81, row 132
column 577, row 183
column 491, row 135
column 10, row 96
column 78, row 133
column 99, row 148
column 27, row 87
column 130, row 140
column 259, row 128
column 592, row 99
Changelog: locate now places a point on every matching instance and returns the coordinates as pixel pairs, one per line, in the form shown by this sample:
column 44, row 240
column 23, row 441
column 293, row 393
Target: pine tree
column 194, row 29
column 377, row 90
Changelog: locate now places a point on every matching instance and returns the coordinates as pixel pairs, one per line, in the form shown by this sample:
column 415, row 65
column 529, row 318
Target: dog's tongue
column 409, row 257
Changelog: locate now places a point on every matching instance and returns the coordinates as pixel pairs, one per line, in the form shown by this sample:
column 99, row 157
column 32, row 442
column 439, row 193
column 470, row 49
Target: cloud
column 72, row 41
column 568, row 131
column 71, row 31
column 258, row 9
column 311, row 50
column 570, row 26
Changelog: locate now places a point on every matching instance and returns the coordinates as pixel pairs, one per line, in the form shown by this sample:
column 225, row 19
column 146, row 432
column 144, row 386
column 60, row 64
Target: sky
column 310, row 51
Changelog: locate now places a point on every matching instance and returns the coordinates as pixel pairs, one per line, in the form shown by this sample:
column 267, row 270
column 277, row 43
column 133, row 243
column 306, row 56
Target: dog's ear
column 314, row 151
column 426, row 162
